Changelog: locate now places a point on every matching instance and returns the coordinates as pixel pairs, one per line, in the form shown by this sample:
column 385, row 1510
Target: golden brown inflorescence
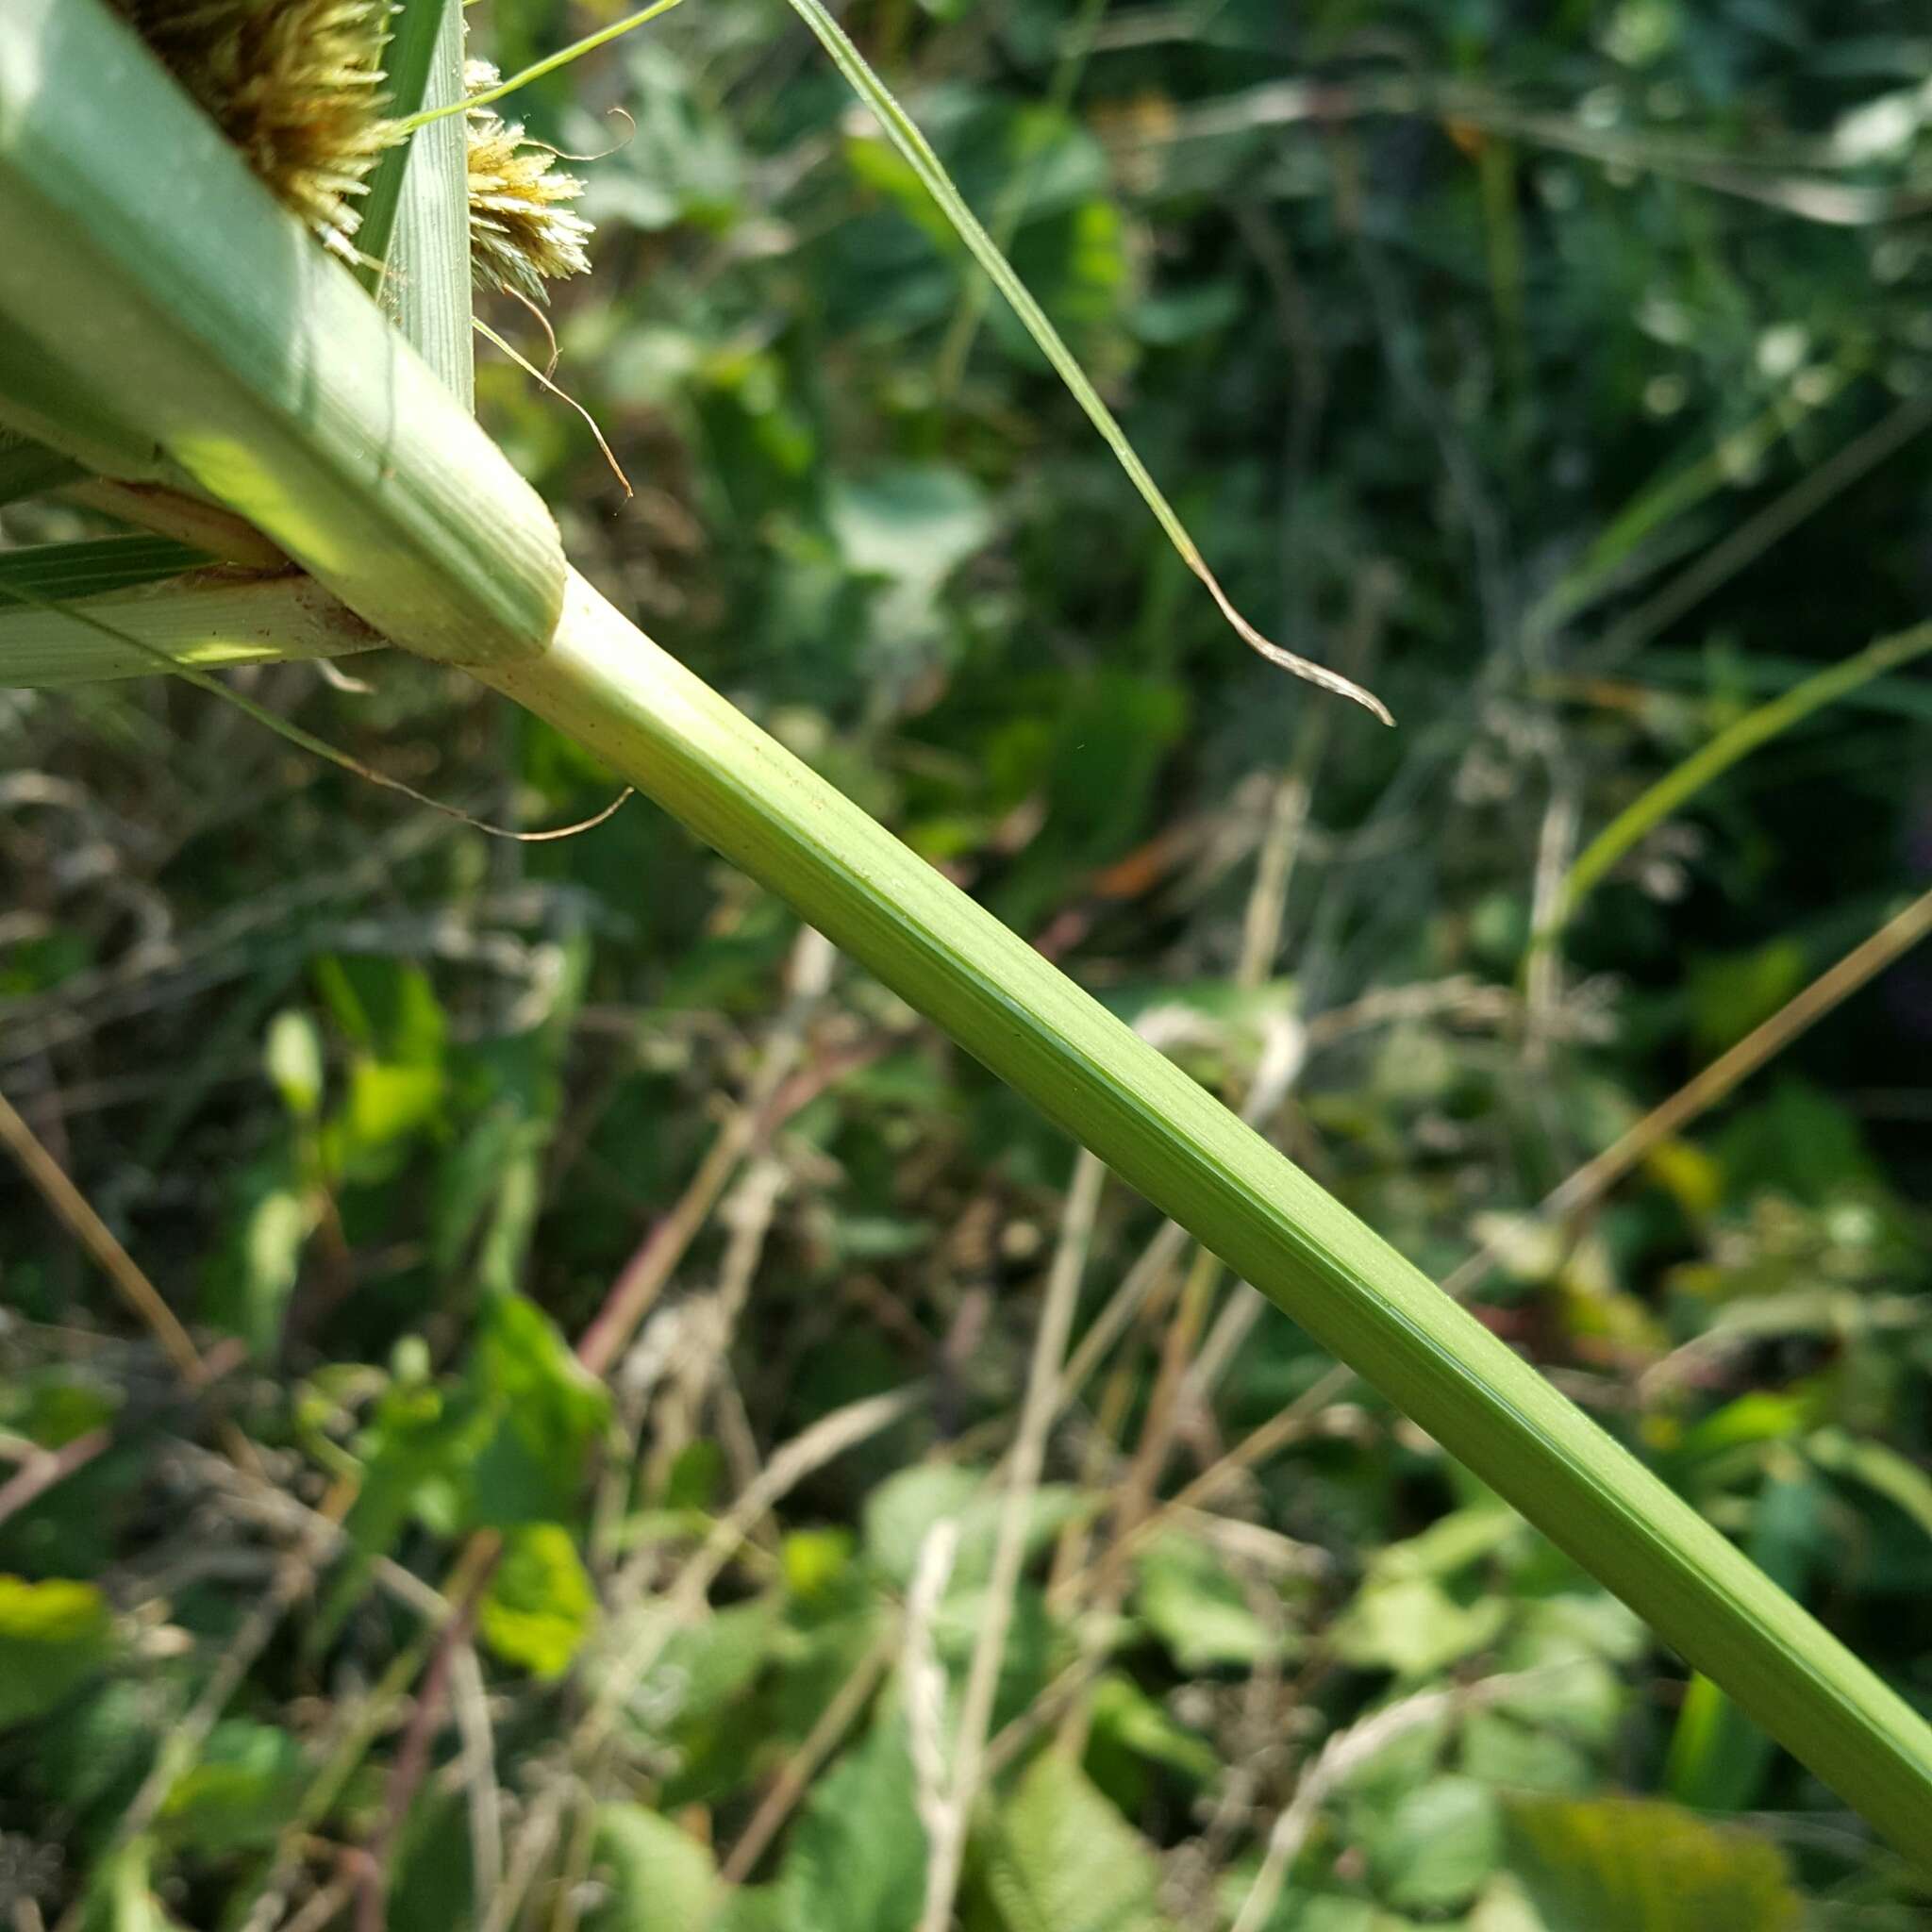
column 521, row 232
column 296, row 85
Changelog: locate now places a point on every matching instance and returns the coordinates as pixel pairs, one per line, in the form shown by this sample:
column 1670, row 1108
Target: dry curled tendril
column 296, row 85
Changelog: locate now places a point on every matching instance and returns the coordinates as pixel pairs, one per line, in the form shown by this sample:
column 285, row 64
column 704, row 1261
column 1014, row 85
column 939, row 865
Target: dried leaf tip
column 296, row 85
column 521, row 233
column 1303, row 668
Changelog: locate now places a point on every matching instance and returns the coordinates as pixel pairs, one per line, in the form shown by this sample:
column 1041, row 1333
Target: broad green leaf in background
column 1436, row 1849
column 1414, row 1627
column 1201, row 1611
column 857, row 1854
column 1731, row 995
column 1062, row 1859
column 682, row 162
column 705, row 1667
column 1037, row 1645
column 1575, row 1641
column 1316, row 1911
column 540, row 1606
column 546, row 1411
column 242, row 1790
column 389, row 1102
column 901, row 1511
column 388, row 1007
column 911, row 525
column 908, row 528
column 51, row 1406
column 506, row 1444
column 755, row 1909
column 1798, row 1139
column 53, row 1634
column 1515, row 1753
column 1641, row 1865
column 419, row 1443
column 653, row 1877
column 91, row 1763
column 433, row 1888
column 1130, row 1733
column 398, row 1077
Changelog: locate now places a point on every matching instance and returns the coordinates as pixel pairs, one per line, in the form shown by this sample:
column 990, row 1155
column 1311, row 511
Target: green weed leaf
column 1631, row 1865
column 655, row 1876
column 540, row 1605
column 1064, row 1860
column 54, row 1636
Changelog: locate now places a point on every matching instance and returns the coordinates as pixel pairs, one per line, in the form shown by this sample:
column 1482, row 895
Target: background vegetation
column 1556, row 370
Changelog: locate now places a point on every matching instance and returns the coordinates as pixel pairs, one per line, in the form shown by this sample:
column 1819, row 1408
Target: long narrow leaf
column 426, row 283
column 85, row 569
column 202, row 625
column 407, row 61
column 905, row 135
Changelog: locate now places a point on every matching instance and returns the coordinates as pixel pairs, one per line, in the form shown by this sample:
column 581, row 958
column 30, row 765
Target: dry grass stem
column 1023, row 1467
column 73, row 1209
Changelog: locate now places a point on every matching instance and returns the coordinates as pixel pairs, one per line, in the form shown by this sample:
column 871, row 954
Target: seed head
column 521, row 234
column 296, row 85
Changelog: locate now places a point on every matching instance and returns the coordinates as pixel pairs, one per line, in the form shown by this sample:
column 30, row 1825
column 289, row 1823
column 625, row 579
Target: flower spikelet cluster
column 296, row 85
column 523, row 233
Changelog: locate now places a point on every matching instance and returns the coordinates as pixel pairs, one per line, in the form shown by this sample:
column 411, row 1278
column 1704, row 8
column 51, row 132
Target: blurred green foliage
column 1554, row 369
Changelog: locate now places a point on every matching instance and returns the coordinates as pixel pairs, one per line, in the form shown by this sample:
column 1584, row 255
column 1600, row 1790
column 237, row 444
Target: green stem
column 683, row 744
column 549, row 64
column 1676, row 788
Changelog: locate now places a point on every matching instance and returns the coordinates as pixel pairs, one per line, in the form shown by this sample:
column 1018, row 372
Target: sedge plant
column 166, row 322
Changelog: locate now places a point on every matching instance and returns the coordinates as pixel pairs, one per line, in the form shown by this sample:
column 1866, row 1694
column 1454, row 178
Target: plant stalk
column 681, row 742
column 158, row 281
